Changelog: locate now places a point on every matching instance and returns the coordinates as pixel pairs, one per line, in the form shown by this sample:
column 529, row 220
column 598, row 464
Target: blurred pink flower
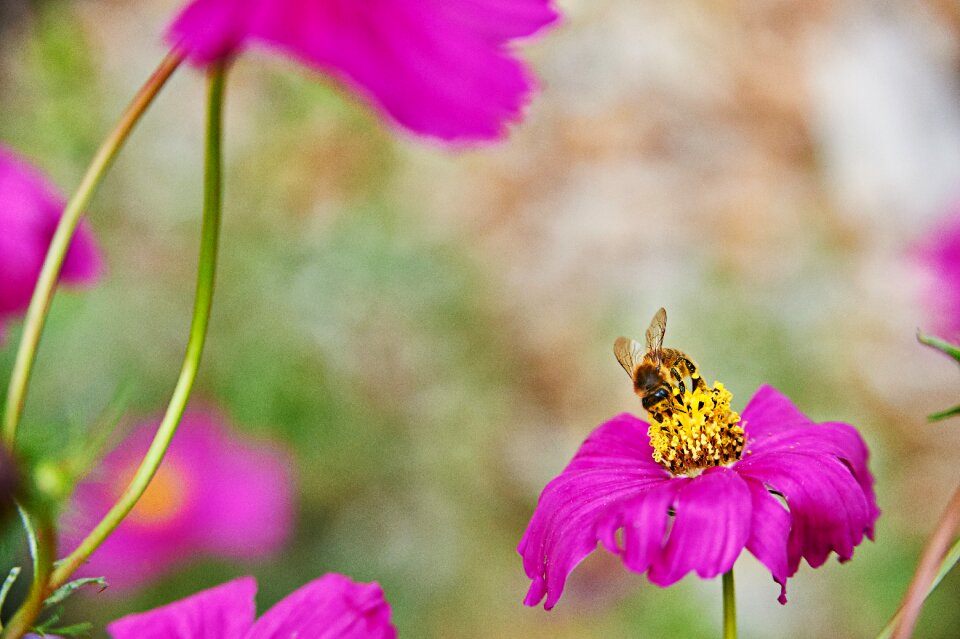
column 214, row 495
column 30, row 208
column 332, row 607
column 940, row 254
column 613, row 492
column 441, row 68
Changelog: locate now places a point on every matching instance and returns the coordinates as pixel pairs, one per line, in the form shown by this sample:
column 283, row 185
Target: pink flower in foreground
column 213, row 495
column 615, row 493
column 332, row 607
column 30, row 208
column 442, row 68
column 940, row 253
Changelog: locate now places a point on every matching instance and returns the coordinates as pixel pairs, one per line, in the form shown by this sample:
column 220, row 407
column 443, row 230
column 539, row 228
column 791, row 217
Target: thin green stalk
column 198, row 330
column 43, row 549
column 948, row 563
column 50, row 273
column 938, row 558
column 729, row 606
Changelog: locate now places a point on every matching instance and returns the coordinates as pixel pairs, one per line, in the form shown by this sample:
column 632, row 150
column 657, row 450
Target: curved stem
column 50, row 273
column 937, row 560
column 43, row 549
column 729, row 606
column 198, row 329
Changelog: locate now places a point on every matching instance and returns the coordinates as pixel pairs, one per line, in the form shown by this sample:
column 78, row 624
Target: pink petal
column 711, row 528
column 828, row 507
column 248, row 507
column 769, row 532
column 219, row 613
column 940, row 254
column 437, row 67
column 30, row 208
column 643, row 520
column 774, row 424
column 768, row 413
column 613, row 466
column 82, row 264
column 499, row 19
column 332, row 607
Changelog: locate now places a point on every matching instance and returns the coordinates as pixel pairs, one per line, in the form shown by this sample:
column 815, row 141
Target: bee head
column 659, row 397
column 647, row 379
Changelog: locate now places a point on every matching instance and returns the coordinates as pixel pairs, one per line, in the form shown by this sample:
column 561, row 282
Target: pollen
column 699, row 431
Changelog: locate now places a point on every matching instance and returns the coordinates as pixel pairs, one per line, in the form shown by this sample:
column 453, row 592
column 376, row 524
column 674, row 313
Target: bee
column 657, row 372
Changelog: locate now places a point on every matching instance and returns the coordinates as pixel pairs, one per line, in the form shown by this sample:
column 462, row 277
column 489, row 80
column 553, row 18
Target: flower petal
column 247, row 487
column 644, row 522
column 500, row 19
column 769, row 532
column 218, row 613
column 437, row 67
column 769, row 412
column 711, row 527
column 940, row 254
column 30, row 208
column 614, row 465
column 774, row 424
column 332, row 607
column 82, row 263
column 828, row 508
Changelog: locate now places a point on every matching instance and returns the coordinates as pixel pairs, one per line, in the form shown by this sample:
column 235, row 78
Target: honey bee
column 657, row 372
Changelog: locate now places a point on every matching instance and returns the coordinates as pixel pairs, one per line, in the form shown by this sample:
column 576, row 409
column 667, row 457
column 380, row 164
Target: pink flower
column 940, row 253
column 332, row 607
column 213, row 495
column 613, row 484
column 441, row 68
column 30, row 208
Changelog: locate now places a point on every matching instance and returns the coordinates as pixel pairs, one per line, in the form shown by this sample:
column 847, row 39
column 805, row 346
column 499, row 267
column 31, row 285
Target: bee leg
column 678, row 377
column 694, row 375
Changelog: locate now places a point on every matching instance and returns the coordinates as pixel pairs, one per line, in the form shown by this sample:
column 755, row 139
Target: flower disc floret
column 702, row 432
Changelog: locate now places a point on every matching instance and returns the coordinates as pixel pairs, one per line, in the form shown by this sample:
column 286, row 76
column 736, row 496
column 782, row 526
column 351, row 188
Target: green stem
column 948, row 563
column 938, row 558
column 198, row 330
column 729, row 606
column 43, row 549
column 50, row 273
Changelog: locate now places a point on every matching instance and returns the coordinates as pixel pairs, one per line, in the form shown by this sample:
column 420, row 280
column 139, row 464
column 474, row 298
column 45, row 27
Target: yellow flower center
column 700, row 431
column 163, row 498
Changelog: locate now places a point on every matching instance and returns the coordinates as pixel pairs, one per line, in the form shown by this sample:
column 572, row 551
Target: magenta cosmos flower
column 441, row 68
column 940, row 254
column 30, row 208
column 332, row 607
column 774, row 483
column 214, row 495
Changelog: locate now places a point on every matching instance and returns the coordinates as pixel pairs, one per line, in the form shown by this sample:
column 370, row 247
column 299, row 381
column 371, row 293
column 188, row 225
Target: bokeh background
column 429, row 332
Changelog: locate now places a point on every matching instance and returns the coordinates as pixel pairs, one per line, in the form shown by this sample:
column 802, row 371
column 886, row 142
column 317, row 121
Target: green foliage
column 952, row 351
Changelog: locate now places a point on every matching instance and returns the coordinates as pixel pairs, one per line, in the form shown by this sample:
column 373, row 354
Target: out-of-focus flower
column 30, row 208
column 441, row 68
column 213, row 495
column 940, row 254
column 332, row 607
column 719, row 479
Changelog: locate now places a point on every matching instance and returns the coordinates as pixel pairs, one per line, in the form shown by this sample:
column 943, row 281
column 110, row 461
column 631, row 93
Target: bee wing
column 629, row 352
column 658, row 326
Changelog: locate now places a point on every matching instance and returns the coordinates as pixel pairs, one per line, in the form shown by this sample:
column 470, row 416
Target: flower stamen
column 701, row 431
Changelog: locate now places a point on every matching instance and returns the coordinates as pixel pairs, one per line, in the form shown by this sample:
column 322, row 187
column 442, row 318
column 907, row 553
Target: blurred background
column 429, row 332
